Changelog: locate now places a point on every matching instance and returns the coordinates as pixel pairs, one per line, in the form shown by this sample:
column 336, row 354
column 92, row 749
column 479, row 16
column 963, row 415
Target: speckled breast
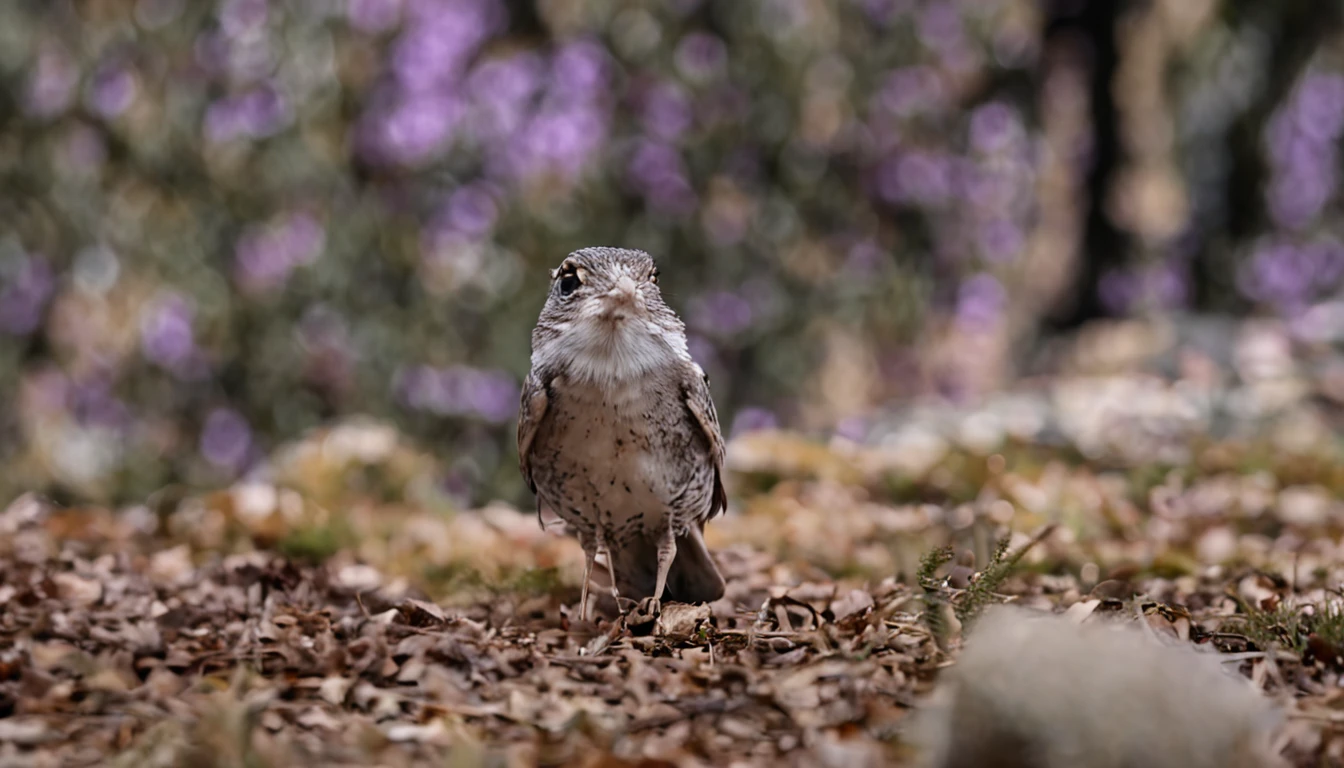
column 624, row 461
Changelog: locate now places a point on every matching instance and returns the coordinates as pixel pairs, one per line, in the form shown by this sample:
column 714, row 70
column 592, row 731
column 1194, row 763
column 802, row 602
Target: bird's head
column 605, row 317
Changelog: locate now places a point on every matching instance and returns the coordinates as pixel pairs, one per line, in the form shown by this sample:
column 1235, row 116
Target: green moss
column 316, row 543
column 1282, row 627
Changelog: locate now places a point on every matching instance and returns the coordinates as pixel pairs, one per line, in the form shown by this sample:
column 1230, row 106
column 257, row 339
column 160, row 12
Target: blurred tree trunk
column 1294, row 31
column 1104, row 246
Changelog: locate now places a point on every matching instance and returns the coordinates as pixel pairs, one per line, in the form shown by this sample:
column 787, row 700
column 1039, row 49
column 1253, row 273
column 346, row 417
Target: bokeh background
column 223, row 223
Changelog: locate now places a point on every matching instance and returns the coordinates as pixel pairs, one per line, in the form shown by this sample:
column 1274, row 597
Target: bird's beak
column 624, row 293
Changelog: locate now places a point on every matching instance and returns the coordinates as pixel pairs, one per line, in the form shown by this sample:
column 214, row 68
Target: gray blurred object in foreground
column 1037, row 691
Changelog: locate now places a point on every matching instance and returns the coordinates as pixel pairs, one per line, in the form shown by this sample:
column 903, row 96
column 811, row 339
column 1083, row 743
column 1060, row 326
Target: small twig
column 1228, row 658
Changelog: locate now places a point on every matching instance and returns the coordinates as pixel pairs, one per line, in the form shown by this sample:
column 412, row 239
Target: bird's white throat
column 607, row 353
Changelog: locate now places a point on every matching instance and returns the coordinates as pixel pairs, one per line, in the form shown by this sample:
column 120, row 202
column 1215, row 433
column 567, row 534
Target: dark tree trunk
column 1105, row 246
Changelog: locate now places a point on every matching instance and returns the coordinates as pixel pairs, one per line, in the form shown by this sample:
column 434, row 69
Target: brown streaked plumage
column 617, row 432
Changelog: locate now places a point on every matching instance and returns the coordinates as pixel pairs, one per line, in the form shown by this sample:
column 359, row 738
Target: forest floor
column 336, row 614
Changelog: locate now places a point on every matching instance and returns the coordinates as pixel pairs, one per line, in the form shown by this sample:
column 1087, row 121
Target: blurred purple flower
column 1000, row 241
column 241, row 18
column 211, row 52
column 1288, row 274
column 373, row 16
column 494, row 396
column 51, row 83
column 578, row 71
column 256, row 114
column 1117, row 289
column 260, row 261
column 226, row 439
column 111, row 91
column 884, row 12
column 471, row 210
column 911, row 91
column 980, row 301
column 994, row 186
column 501, row 92
column 995, row 127
column 922, row 178
column 96, row 405
column 264, row 256
column 940, row 28
column 24, row 295
column 1167, row 285
column 853, row 428
column 558, row 140
column 439, row 40
column 722, row 313
column 50, row 388
column 461, row 391
column 657, row 171
column 703, row 351
column 1318, row 107
column 417, row 128
column 1302, row 142
column 700, row 56
column 1295, row 200
column 666, row 111
column 752, row 419
column 166, row 334
column 1154, row 286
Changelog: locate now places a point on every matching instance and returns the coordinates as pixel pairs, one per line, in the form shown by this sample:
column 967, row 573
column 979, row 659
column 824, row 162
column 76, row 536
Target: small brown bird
column 617, row 434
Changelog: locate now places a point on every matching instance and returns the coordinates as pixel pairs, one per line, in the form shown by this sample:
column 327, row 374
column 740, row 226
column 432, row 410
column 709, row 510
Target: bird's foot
column 645, row 615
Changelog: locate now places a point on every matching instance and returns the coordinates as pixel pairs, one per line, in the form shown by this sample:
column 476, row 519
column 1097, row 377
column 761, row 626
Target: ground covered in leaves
column 331, row 611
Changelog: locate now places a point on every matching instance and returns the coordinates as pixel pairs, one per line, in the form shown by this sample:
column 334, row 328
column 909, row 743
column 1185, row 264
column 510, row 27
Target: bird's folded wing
column 701, row 405
column 530, row 413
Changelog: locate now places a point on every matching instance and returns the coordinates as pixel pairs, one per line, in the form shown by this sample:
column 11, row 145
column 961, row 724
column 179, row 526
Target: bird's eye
column 569, row 283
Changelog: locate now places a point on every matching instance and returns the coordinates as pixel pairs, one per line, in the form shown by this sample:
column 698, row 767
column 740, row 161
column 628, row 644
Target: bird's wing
column 530, row 413
column 701, row 405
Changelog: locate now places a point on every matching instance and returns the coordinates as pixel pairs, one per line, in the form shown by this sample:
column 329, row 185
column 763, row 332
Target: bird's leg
column 603, row 549
column 667, row 552
column 589, row 554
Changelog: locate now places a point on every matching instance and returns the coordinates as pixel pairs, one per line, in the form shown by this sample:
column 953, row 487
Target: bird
column 618, row 436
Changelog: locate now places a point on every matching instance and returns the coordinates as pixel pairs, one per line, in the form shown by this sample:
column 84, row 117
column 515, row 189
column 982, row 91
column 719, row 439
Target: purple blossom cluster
column 51, row 82
column 786, row 176
column 226, row 440
column 460, row 390
column 168, row 336
column 265, row 255
column 1302, row 261
column 1161, row 285
column 111, row 90
column 26, row 287
column 254, row 114
column 1289, row 273
column 523, row 114
column 978, row 197
column 1302, row 143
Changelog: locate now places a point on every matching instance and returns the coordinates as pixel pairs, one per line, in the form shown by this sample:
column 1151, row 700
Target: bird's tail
column 694, row 578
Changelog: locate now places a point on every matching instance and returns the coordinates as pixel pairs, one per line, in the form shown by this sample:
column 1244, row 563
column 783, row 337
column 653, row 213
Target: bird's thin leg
column 603, row 549
column 589, row 554
column 667, row 552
